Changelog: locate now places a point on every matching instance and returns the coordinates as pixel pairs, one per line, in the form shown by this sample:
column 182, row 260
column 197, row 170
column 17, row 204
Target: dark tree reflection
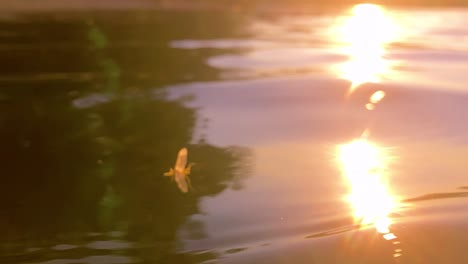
column 84, row 151
column 101, row 168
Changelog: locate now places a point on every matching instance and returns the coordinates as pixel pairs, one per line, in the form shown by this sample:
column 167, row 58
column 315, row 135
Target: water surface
column 312, row 142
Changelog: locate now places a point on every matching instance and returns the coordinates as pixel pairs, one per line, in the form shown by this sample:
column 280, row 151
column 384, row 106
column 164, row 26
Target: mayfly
column 180, row 172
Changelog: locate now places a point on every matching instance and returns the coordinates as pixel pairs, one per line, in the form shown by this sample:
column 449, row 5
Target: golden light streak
column 364, row 36
column 364, row 165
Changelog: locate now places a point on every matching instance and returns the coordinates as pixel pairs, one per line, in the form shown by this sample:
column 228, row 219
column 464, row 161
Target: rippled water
column 316, row 137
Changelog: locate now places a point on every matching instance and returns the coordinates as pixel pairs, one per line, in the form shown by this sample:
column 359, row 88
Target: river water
column 323, row 136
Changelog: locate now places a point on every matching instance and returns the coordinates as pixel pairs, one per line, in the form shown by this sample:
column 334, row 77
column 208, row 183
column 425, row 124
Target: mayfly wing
column 181, row 161
column 181, row 181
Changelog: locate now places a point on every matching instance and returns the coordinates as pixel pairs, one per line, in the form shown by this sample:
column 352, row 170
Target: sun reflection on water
column 364, row 165
column 364, row 36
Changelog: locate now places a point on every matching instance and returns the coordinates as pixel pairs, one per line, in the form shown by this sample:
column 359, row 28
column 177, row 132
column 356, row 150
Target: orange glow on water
column 364, row 36
column 364, row 165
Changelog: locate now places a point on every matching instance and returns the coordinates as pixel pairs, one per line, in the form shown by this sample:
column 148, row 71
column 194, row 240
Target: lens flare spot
column 370, row 106
column 377, row 97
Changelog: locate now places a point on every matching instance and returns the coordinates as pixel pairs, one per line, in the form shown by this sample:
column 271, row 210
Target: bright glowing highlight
column 374, row 99
column 377, row 96
column 364, row 166
column 365, row 34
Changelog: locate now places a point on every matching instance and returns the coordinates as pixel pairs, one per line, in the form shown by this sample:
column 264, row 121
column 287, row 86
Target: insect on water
column 180, row 172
